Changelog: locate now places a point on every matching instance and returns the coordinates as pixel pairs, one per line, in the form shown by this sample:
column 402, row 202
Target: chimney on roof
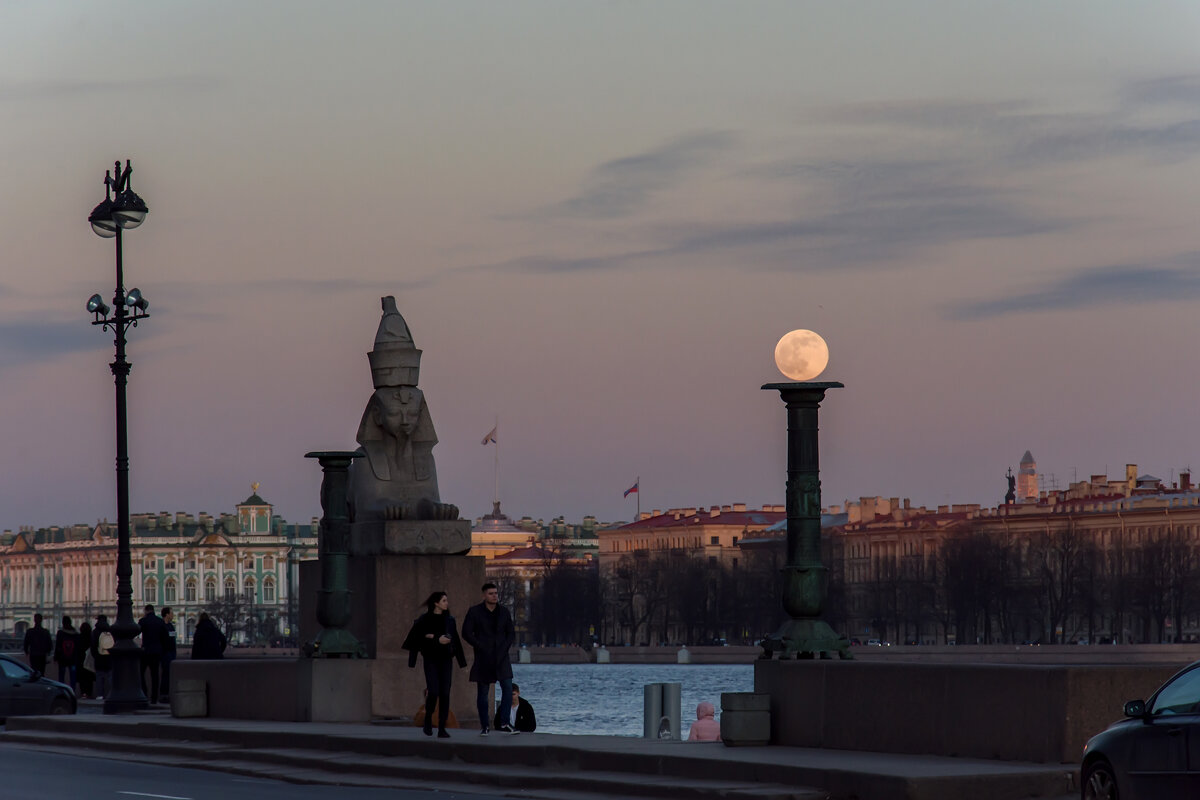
column 725, row 509
column 644, row 515
column 715, row 511
column 1185, row 480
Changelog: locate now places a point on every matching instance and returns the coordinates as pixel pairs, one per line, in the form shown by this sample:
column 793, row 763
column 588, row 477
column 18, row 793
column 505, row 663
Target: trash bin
column 662, row 713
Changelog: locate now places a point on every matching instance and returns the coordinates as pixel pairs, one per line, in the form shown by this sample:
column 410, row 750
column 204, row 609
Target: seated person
column 519, row 715
column 705, row 728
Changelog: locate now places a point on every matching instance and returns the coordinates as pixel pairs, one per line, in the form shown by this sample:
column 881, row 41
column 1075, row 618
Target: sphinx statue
column 395, row 479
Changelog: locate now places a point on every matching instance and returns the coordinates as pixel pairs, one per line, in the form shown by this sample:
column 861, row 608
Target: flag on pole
column 632, row 489
column 491, row 437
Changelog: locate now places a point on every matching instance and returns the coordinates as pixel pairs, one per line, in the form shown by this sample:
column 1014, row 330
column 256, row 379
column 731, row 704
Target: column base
column 805, row 638
column 335, row 643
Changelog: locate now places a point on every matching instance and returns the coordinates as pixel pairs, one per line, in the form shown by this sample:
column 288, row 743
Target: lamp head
column 102, row 220
column 129, row 210
column 95, row 304
column 134, row 299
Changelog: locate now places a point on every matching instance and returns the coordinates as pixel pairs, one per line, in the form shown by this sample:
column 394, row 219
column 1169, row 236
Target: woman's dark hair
column 432, row 600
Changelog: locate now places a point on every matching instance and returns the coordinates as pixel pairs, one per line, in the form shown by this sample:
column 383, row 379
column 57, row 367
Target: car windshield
column 1180, row 696
column 12, row 669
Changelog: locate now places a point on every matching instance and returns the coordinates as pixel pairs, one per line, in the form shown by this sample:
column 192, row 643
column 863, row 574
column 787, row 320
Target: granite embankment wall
column 967, row 654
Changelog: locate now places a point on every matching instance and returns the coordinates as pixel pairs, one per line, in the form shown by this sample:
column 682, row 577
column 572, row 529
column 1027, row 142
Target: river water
column 607, row 698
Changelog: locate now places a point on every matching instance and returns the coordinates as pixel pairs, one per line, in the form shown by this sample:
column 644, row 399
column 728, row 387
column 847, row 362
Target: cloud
column 25, row 342
column 1018, row 134
column 620, row 187
column 1183, row 90
column 1121, row 284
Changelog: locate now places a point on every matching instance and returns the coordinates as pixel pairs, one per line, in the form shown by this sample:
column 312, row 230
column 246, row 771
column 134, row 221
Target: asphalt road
column 30, row 774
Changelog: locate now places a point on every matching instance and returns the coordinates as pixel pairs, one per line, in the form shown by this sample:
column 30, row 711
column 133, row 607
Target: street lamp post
column 121, row 210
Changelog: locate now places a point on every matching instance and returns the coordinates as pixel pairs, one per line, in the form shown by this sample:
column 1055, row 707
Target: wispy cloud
column 620, row 187
column 24, row 342
column 1020, row 134
column 1182, row 90
column 1175, row 279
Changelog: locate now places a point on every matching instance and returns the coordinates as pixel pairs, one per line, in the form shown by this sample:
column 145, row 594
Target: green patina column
column 805, row 580
column 333, row 549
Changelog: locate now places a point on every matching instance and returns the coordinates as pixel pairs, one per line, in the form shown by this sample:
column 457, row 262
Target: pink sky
column 598, row 220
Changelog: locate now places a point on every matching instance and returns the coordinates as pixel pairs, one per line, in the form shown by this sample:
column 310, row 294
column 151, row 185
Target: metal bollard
column 661, row 703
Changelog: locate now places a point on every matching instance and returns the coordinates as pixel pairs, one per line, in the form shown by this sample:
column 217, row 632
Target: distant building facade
column 246, row 563
column 521, row 554
column 1105, row 560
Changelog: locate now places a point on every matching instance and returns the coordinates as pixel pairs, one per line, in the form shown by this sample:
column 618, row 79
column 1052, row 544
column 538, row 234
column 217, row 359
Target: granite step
column 324, row 766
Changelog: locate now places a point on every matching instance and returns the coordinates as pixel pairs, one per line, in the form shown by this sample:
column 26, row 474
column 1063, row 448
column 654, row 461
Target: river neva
column 607, row 698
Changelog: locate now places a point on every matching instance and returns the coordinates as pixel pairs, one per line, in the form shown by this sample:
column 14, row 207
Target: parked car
column 24, row 691
column 1153, row 754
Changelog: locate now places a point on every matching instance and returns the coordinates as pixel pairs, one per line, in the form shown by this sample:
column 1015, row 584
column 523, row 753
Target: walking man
column 488, row 628
column 38, row 645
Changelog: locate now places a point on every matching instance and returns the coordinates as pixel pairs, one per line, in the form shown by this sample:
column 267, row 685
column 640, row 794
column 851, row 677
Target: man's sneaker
column 483, row 732
column 506, row 729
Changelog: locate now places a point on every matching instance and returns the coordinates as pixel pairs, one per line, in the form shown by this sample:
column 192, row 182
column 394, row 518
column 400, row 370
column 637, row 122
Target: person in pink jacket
column 705, row 728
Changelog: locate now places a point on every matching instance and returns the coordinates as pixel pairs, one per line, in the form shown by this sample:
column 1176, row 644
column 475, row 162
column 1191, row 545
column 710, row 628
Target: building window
column 150, row 591
column 189, row 590
column 715, row 540
column 150, row 564
column 210, row 591
column 230, row 589
column 170, row 563
column 249, row 563
column 191, row 563
column 735, row 541
column 230, row 563
column 189, row 629
column 169, row 591
column 210, row 563
column 268, row 591
column 248, row 590
column 268, row 562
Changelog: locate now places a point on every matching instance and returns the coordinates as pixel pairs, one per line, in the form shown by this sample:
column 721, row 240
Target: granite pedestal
column 387, row 592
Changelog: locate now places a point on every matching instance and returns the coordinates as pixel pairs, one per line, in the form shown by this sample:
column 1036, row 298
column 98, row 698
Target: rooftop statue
column 397, row 479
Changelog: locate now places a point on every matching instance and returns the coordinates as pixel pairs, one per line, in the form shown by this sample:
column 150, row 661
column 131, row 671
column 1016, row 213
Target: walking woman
column 435, row 636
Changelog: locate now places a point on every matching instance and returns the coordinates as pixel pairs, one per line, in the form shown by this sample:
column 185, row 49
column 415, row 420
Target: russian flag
column 491, row 437
column 631, row 490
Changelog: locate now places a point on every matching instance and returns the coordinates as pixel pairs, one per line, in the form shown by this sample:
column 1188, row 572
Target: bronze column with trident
column 333, row 548
column 805, row 582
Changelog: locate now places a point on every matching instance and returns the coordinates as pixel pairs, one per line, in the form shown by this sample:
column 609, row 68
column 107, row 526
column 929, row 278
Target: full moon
column 801, row 355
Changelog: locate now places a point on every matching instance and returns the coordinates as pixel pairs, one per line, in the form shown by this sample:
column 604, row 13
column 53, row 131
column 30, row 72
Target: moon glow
column 801, row 355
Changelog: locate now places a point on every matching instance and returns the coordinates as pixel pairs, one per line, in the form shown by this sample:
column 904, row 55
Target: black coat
column 169, row 640
column 526, row 721
column 38, row 643
column 423, row 638
column 154, row 634
column 491, row 634
column 208, row 642
column 61, row 647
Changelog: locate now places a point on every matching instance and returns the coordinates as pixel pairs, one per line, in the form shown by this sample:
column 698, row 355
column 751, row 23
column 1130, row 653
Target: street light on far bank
column 120, row 211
